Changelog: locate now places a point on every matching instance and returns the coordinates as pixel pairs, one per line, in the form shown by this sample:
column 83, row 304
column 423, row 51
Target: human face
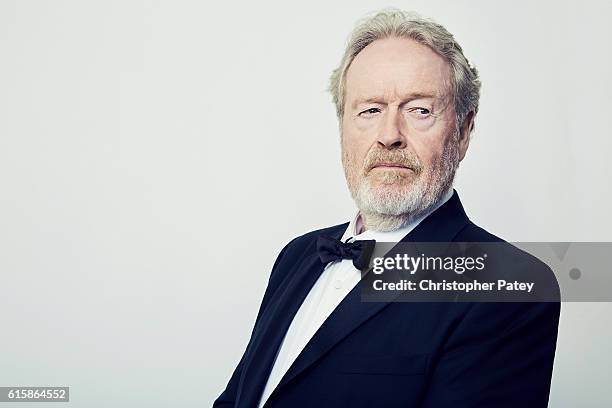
column 400, row 141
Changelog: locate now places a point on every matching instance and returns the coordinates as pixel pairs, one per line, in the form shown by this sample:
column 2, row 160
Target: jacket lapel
column 274, row 323
column 440, row 226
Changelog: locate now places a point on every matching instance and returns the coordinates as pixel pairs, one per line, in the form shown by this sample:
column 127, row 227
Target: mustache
column 398, row 157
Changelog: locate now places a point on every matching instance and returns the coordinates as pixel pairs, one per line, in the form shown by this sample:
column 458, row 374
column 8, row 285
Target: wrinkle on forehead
column 395, row 68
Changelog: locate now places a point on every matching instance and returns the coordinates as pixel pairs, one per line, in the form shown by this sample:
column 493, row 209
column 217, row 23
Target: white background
column 156, row 155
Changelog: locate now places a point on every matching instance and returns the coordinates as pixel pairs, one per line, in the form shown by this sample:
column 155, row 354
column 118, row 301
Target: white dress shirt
column 336, row 281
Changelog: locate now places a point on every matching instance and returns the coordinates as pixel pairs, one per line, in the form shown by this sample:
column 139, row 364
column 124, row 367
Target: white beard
column 389, row 207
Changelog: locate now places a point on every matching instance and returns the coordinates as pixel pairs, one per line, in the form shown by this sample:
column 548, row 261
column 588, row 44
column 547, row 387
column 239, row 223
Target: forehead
column 396, row 67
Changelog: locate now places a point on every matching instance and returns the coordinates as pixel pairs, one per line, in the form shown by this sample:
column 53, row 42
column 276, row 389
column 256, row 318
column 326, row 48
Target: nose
column 390, row 135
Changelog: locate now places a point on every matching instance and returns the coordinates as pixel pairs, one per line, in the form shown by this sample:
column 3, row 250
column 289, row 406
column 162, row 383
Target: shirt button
column 338, row 284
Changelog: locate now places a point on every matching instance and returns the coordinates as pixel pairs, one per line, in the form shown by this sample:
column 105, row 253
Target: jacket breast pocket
column 383, row 364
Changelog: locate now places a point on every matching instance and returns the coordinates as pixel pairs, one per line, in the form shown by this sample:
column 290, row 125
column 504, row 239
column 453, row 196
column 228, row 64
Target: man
column 406, row 99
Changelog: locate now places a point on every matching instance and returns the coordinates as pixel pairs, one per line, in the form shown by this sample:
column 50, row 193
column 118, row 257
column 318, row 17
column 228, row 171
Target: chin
column 390, row 199
column 391, row 190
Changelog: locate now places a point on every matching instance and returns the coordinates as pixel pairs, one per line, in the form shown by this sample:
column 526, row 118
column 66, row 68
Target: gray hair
column 465, row 84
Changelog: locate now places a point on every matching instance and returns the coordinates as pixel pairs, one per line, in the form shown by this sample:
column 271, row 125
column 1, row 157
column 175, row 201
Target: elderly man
column 406, row 98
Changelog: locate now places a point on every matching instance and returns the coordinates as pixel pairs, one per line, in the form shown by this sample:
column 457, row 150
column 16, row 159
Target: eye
column 369, row 112
column 420, row 112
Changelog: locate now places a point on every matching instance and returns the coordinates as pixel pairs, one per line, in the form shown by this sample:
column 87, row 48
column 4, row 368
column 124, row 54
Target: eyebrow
column 380, row 99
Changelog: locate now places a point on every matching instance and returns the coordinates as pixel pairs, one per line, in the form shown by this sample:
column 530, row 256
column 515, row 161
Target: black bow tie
column 331, row 249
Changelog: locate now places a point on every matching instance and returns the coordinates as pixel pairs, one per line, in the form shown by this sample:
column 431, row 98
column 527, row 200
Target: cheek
column 429, row 146
column 428, row 152
column 355, row 146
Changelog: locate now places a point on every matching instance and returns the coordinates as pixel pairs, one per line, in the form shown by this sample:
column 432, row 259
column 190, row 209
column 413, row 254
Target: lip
column 391, row 165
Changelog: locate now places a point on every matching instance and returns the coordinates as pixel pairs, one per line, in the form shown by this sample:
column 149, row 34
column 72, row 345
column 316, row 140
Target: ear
column 464, row 134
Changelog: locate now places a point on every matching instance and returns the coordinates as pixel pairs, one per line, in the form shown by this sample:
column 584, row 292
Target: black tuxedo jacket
column 394, row 354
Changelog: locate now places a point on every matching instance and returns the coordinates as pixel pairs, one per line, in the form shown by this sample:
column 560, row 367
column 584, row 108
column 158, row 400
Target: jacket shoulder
column 311, row 236
column 510, row 262
column 473, row 233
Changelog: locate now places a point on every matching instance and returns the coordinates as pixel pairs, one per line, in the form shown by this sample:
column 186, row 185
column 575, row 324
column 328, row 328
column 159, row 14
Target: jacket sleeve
column 500, row 355
column 228, row 396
